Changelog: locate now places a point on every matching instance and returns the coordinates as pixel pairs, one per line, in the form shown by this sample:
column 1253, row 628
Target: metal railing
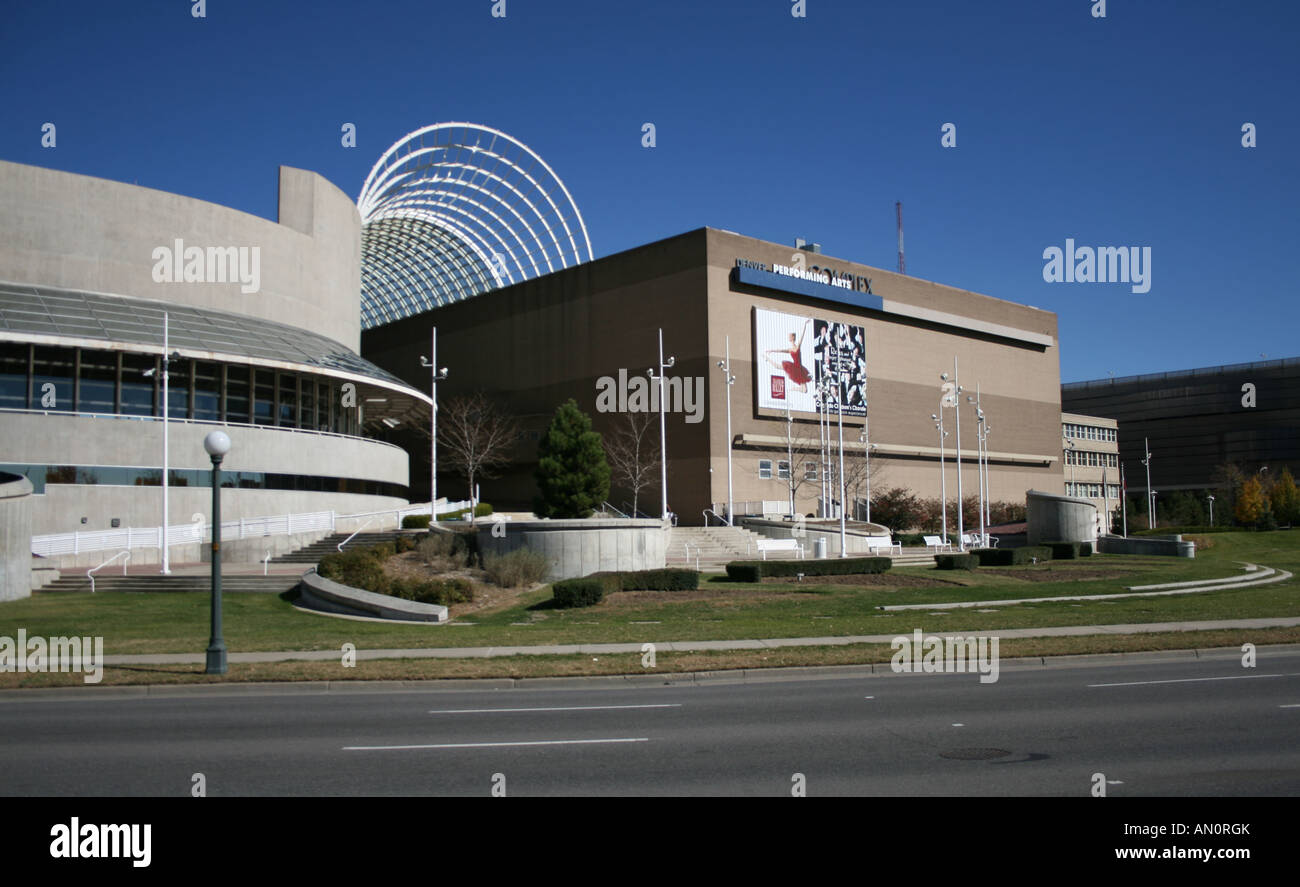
column 354, row 533
column 90, row 574
column 722, row 521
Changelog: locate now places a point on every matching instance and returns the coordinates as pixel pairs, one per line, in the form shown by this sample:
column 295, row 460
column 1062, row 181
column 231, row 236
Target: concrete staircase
column 311, row 554
column 156, row 582
column 715, row 546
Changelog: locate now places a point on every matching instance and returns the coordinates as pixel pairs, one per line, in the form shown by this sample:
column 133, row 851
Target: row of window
column 1090, row 432
column 1091, row 491
column 1094, row 460
column 783, row 470
column 85, row 380
column 122, row 476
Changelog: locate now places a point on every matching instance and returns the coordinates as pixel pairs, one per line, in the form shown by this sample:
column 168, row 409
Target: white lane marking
column 1195, row 680
column 868, row 697
column 959, row 725
column 490, row 744
column 1296, row 705
column 481, row 711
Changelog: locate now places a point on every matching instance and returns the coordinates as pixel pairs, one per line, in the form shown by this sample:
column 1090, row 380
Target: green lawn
column 174, row 623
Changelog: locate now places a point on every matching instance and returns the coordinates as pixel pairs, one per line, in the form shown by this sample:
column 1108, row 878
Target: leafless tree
column 800, row 444
column 632, row 448
column 475, row 437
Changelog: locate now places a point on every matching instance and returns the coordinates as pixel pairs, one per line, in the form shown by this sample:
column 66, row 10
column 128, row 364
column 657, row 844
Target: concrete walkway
column 694, row 646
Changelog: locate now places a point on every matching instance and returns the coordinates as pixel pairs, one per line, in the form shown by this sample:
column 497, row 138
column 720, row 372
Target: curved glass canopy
column 455, row 209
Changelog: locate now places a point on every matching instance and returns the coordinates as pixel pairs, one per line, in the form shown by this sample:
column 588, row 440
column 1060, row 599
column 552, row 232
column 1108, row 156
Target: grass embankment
column 720, row 610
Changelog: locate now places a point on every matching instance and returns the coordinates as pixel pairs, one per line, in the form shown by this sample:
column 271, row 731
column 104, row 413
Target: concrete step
column 273, row 584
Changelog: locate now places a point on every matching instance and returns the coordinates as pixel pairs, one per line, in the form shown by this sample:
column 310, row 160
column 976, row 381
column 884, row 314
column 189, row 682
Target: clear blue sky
column 1122, row 131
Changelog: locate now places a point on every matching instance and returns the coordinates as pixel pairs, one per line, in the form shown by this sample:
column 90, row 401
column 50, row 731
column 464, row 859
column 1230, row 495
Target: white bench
column 937, row 544
column 876, row 545
column 766, row 545
column 974, row 540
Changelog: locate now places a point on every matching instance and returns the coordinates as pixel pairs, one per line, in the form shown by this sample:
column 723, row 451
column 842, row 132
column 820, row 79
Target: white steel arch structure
column 454, row 209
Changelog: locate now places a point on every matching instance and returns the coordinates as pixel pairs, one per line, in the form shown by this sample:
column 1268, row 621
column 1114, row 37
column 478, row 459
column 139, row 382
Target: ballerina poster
column 800, row 356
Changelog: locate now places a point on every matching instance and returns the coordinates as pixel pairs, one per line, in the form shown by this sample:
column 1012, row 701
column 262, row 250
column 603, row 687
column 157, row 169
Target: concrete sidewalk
column 694, row 646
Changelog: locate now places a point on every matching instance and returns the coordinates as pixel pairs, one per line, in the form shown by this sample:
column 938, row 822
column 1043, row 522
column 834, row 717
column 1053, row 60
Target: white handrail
column 90, row 574
column 354, row 532
column 266, row 562
column 710, row 511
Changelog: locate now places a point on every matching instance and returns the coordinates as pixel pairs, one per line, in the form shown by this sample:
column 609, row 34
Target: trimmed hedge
column 844, row 566
column 956, row 561
column 1176, row 531
column 647, row 580
column 483, row 509
column 577, row 592
column 1008, row 557
column 415, row 522
column 744, row 572
column 1085, row 549
column 1063, row 551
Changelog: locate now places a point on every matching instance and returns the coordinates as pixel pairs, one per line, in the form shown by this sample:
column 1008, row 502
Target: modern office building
column 1090, row 460
column 1246, row 415
column 262, row 326
column 793, row 322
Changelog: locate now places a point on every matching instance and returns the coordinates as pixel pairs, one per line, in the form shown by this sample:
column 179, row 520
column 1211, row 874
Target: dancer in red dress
column 793, row 368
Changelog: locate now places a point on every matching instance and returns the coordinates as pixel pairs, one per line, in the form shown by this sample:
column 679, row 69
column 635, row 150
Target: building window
column 207, row 391
column 13, row 376
column 264, row 397
column 810, row 471
column 52, row 379
column 237, row 394
column 764, row 469
column 783, row 470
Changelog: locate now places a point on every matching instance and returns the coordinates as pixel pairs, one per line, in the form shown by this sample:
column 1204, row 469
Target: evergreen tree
column 572, row 471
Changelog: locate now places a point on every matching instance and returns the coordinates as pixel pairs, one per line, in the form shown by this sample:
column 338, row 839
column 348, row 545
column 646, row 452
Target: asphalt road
column 1153, row 727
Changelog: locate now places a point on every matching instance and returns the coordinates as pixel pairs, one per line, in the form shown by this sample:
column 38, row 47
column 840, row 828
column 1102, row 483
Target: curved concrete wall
column 859, row 540
column 1056, row 518
column 581, row 547
column 78, row 232
column 70, row 439
column 15, row 537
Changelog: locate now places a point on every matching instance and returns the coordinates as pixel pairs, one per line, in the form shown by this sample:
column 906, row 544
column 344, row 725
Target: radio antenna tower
column 898, row 211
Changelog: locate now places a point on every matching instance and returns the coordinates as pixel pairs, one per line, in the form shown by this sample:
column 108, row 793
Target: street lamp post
column 729, row 380
column 438, row 375
column 1211, row 498
column 943, row 473
column 867, row 447
column 217, row 444
column 1151, row 496
column 981, row 460
column 663, row 427
column 1069, row 447
column 167, row 357
column 839, row 406
column 953, row 398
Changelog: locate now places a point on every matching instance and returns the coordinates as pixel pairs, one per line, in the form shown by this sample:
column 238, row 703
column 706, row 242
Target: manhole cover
column 974, row 754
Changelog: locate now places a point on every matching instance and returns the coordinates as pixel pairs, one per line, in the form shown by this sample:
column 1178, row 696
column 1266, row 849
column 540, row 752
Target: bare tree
column 857, row 482
column 475, row 437
column 632, row 449
column 800, row 445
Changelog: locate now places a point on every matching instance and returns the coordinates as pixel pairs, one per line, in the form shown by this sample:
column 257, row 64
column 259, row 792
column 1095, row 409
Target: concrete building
column 263, row 328
column 1091, row 462
column 1246, row 415
column 790, row 320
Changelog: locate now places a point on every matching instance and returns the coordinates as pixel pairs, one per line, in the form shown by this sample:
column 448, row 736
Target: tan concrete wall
column 1019, row 382
column 65, row 230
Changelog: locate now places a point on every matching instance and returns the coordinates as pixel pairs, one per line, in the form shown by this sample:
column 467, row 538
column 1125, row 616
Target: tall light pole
column 1069, row 447
column 437, row 375
column 729, row 380
column 839, row 406
column 943, row 473
column 979, row 456
column 663, row 427
column 867, row 447
column 217, row 444
column 1151, row 499
column 1211, row 498
column 167, row 357
column 954, row 400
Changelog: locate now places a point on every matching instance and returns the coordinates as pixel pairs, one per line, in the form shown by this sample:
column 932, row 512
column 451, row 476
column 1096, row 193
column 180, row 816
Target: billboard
column 801, row 360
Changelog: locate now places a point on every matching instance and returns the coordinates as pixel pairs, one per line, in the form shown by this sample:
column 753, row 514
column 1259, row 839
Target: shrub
column 956, row 561
column 523, row 566
column 1063, row 551
column 1085, row 549
column 572, row 470
column 739, row 571
column 403, row 544
column 415, row 522
column 577, row 592
column 482, row 509
column 358, row 568
column 1006, row 557
column 433, row 591
column 610, row 580
column 660, row 580
column 446, row 550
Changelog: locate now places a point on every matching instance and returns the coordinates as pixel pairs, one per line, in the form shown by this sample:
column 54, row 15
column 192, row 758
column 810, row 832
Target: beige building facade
column 1090, row 460
column 591, row 332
